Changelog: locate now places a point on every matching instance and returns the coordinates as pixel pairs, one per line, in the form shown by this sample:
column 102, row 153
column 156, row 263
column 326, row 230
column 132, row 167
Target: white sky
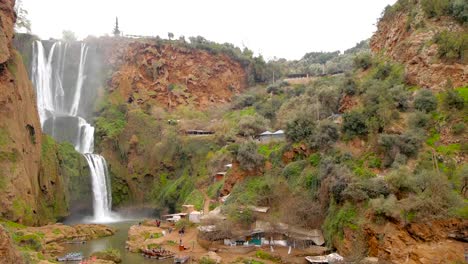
column 285, row 29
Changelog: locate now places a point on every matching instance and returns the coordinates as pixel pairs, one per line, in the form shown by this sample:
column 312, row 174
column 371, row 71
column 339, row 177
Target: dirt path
column 206, row 204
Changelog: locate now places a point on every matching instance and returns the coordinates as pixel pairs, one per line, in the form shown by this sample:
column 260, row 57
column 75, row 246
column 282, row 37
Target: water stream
column 62, row 107
column 117, row 241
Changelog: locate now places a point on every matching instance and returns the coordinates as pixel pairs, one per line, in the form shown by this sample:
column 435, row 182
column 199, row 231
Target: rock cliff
column 28, row 190
column 407, row 36
column 172, row 74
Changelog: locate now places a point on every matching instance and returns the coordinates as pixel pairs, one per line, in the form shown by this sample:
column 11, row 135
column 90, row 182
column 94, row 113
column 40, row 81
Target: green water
column 116, row 241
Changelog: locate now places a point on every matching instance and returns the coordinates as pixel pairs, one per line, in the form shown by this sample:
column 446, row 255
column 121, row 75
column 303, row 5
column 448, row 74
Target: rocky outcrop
column 8, row 253
column 418, row 243
column 151, row 72
column 30, row 192
column 401, row 37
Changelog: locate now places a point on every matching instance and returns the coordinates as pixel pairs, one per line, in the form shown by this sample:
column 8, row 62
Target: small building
column 268, row 136
column 174, row 217
column 228, row 166
column 195, row 217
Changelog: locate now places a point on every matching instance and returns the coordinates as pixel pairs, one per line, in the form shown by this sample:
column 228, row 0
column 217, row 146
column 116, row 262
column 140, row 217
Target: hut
column 268, row 136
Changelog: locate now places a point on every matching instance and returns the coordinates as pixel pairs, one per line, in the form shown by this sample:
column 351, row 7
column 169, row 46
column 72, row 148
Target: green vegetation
column 452, row 45
column 267, row 256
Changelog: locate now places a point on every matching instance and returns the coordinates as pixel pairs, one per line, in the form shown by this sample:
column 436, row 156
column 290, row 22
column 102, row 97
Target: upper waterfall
column 63, row 103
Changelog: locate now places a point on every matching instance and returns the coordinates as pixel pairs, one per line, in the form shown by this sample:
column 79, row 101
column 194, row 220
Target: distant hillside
column 430, row 37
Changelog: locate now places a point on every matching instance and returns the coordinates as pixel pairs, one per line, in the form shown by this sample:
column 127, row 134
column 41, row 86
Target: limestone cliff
column 406, row 35
column 28, row 191
column 172, row 74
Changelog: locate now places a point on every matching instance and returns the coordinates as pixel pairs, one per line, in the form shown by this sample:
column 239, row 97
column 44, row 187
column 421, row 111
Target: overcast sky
column 285, row 29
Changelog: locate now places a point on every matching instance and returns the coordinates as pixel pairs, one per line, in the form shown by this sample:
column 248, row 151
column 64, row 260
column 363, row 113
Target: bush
column 406, row 144
column 244, row 100
column 250, row 126
column 425, row 101
column 436, row 8
column 326, row 134
column 248, row 156
column 454, row 100
column 451, row 45
column 418, row 120
column 294, row 169
column 354, row 124
column 363, row 61
column 458, row 128
column 459, row 10
column 300, row 129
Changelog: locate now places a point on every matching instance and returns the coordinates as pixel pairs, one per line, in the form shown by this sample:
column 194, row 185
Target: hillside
column 429, row 38
column 369, row 154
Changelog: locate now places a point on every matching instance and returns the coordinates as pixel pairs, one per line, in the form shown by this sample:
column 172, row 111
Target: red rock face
column 413, row 48
column 428, row 242
column 8, row 253
column 8, row 19
column 168, row 75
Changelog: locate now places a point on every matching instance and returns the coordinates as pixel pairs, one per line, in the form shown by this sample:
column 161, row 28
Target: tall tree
column 116, row 27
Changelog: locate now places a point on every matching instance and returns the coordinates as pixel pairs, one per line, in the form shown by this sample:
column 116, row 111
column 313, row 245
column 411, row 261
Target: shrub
column 300, row 129
column 294, row 169
column 244, row 100
column 454, row 100
column 418, row 120
column 436, row 8
column 326, row 134
column 425, row 101
column 451, row 45
column 248, row 156
column 407, row 144
column 250, row 126
column 459, row 10
column 338, row 219
column 363, row 61
column 349, row 86
column 354, row 124
column 458, row 128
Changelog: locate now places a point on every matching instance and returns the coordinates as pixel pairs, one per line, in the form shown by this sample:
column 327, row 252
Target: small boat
column 181, row 259
column 158, row 253
column 73, row 256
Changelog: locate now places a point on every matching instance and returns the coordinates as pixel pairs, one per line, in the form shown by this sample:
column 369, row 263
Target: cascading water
column 59, row 110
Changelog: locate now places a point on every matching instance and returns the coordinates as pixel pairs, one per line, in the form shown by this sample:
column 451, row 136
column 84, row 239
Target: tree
column 248, row 156
column 116, row 30
column 68, row 36
column 425, row 101
column 170, row 35
column 354, row 124
column 250, row 126
column 301, row 128
column 22, row 20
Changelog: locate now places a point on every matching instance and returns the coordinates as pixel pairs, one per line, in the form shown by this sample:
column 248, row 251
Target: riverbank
column 148, row 235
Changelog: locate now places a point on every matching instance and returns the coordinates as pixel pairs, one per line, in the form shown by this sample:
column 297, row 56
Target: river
column 116, row 241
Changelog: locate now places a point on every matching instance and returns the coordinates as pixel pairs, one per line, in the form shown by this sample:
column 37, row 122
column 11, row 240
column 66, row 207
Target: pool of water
column 116, row 241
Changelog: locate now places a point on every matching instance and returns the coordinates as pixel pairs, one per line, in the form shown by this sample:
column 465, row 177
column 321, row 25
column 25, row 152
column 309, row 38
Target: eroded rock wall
column 407, row 37
column 29, row 193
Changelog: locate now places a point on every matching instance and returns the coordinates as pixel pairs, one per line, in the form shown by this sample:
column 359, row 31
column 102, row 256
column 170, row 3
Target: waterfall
column 101, row 186
column 79, row 80
column 64, row 123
